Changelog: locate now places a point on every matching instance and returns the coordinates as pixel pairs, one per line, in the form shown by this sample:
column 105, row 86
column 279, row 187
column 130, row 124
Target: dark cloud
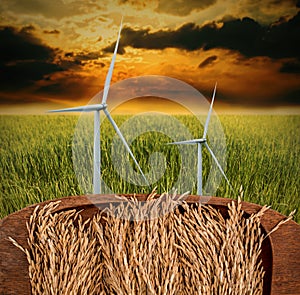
column 138, row 4
column 292, row 67
column 24, row 74
column 72, row 87
column 208, row 61
column 16, row 99
column 29, row 68
column 292, row 97
column 71, row 60
column 279, row 40
column 271, row 3
column 267, row 11
column 292, row 2
column 101, row 64
column 177, row 7
column 85, row 56
column 111, row 48
column 174, row 7
column 56, row 9
column 27, row 65
column 72, row 91
column 183, row 38
column 22, row 45
column 288, row 98
column 28, row 29
column 51, row 32
column 69, row 54
column 24, row 60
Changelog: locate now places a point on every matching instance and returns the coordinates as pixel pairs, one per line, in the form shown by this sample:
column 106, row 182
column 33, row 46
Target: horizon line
column 219, row 111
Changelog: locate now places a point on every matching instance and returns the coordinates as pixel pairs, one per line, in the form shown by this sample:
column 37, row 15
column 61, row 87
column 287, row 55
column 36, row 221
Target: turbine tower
column 96, row 108
column 200, row 142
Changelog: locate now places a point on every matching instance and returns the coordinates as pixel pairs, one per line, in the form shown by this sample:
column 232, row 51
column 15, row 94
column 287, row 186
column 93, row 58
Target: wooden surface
column 281, row 252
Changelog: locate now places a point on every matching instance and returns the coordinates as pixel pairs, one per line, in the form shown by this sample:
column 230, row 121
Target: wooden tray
column 280, row 255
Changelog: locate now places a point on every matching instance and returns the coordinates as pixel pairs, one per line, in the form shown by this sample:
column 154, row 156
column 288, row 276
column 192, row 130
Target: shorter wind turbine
column 96, row 108
column 200, row 142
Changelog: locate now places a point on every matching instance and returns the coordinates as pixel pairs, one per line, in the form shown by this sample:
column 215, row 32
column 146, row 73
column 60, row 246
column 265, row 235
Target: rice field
column 262, row 157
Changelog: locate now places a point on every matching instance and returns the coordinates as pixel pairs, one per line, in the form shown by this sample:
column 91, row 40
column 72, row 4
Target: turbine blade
column 111, row 67
column 76, row 109
column 218, row 164
column 192, row 141
column 209, row 112
column 87, row 108
column 125, row 143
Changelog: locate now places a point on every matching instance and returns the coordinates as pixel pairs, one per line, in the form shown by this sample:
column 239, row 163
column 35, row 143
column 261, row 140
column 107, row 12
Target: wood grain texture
column 281, row 251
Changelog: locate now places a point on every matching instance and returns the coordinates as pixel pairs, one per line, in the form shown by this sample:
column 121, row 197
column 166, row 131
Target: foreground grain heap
column 191, row 250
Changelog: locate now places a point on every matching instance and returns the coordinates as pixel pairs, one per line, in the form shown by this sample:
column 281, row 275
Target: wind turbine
column 200, row 142
column 96, row 108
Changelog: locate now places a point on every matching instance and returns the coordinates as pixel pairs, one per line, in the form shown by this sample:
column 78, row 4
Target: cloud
column 87, row 56
column 183, row 38
column 266, row 11
column 138, row 4
column 25, row 64
column 22, row 45
column 248, row 37
column 179, row 8
column 208, row 61
column 56, row 9
column 292, row 67
column 24, row 74
column 293, row 97
column 24, row 59
column 279, row 2
column 72, row 60
column 111, row 48
column 32, row 71
column 269, row 4
column 51, row 32
column 175, row 7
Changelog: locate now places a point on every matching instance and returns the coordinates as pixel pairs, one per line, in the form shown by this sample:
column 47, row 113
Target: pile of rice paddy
column 190, row 250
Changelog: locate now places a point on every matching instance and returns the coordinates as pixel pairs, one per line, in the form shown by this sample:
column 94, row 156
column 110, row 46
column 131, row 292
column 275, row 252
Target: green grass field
column 36, row 160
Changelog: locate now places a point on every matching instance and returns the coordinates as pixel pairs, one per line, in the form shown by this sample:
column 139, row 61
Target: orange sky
column 57, row 53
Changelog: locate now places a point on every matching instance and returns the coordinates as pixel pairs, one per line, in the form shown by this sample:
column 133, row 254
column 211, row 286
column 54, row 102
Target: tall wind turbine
column 200, row 142
column 96, row 108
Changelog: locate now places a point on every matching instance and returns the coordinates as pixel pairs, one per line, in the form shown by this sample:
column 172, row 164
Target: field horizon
column 139, row 105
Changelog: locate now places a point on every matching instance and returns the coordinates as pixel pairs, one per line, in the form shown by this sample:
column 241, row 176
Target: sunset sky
column 56, row 54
